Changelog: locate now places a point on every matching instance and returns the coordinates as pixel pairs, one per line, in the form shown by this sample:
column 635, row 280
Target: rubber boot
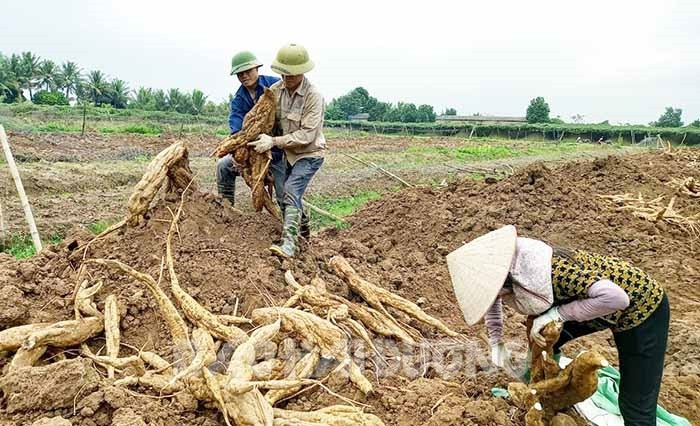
column 290, row 234
column 305, row 228
column 228, row 190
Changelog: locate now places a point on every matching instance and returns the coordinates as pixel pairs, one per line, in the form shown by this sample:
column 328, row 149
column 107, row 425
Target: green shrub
column 44, row 97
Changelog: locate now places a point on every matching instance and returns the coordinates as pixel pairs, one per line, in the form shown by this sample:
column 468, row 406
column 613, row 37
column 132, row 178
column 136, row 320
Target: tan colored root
column 315, row 295
column 152, row 180
column 357, row 378
column 260, row 119
column 174, row 321
column 577, row 382
column 270, row 369
column 302, row 370
column 327, row 336
column 112, row 335
column 535, row 416
column 195, row 312
column 12, row 338
column 656, row 211
column 205, row 354
column 83, row 304
column 180, row 175
column 26, row 358
column 377, row 297
column 522, row 396
column 233, row 320
column 261, row 197
column 240, row 367
column 156, row 382
column 155, row 361
column 335, row 415
column 253, row 166
column 542, row 363
column 247, row 408
column 134, row 364
column 688, row 186
column 64, row 334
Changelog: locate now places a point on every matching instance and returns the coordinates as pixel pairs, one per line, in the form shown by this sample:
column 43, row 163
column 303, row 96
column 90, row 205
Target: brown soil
column 398, row 242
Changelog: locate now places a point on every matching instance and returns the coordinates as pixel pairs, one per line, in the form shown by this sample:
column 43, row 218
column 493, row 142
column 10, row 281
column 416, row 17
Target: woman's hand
column 541, row 321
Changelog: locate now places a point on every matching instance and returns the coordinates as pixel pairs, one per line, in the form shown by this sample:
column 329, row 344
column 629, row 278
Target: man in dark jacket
column 245, row 66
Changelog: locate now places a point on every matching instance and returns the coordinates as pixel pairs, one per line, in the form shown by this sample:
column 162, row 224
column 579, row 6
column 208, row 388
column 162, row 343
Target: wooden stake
column 20, row 190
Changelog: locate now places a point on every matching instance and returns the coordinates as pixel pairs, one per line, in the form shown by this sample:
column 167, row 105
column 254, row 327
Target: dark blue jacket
column 242, row 102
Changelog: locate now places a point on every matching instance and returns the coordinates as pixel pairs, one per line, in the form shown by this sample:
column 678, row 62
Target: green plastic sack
column 607, row 393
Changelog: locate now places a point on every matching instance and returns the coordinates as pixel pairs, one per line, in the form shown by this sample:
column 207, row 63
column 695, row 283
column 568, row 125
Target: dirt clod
column 56, row 385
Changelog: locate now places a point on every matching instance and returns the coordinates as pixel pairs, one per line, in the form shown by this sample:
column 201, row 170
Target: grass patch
column 135, row 128
column 57, row 127
column 22, row 247
column 98, row 227
column 339, row 206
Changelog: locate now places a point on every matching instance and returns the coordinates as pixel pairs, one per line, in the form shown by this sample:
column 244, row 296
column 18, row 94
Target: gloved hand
column 538, row 324
column 500, row 355
column 262, row 144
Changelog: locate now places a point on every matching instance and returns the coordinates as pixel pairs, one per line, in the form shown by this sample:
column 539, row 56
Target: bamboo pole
column 322, row 212
column 386, row 172
column 20, row 190
column 2, row 228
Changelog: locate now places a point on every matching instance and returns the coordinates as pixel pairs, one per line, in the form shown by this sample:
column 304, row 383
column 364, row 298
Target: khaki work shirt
column 299, row 121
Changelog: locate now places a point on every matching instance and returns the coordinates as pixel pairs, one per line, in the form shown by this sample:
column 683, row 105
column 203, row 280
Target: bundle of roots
column 253, row 166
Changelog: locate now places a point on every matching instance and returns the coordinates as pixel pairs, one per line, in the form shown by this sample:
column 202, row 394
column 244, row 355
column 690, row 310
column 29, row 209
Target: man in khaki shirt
column 299, row 132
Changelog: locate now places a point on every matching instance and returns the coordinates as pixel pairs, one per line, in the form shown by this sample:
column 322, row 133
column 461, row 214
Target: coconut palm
column 97, row 86
column 118, row 93
column 47, row 75
column 29, row 70
column 70, row 78
column 143, row 99
column 199, row 100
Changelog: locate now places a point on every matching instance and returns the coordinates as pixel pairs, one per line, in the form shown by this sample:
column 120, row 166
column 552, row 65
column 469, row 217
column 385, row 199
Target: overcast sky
column 623, row 61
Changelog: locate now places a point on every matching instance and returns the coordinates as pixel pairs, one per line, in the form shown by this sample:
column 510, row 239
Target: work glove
column 262, row 144
column 500, row 356
column 540, row 322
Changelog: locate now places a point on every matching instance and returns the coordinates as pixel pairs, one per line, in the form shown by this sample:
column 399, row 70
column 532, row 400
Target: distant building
column 481, row 119
column 359, row 117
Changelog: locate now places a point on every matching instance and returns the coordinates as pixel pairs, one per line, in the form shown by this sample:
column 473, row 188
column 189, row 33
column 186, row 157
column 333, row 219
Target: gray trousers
column 297, row 178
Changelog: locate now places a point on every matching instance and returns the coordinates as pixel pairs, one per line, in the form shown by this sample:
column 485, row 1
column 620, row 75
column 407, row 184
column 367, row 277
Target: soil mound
column 399, row 243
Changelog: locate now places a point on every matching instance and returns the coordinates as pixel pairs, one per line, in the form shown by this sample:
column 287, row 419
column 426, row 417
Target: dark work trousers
column 297, row 179
column 641, row 353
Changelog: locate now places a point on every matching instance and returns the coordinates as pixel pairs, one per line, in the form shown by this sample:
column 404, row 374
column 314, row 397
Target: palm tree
column 30, row 71
column 8, row 82
column 48, row 74
column 174, row 99
column 70, row 78
column 97, row 86
column 118, row 92
column 160, row 100
column 199, row 100
column 143, row 99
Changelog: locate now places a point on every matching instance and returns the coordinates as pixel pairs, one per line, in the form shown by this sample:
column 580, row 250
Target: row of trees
column 358, row 101
column 538, row 112
column 50, row 83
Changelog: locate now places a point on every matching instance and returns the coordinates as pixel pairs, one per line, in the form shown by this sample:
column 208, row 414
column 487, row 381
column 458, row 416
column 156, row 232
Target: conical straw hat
column 478, row 270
